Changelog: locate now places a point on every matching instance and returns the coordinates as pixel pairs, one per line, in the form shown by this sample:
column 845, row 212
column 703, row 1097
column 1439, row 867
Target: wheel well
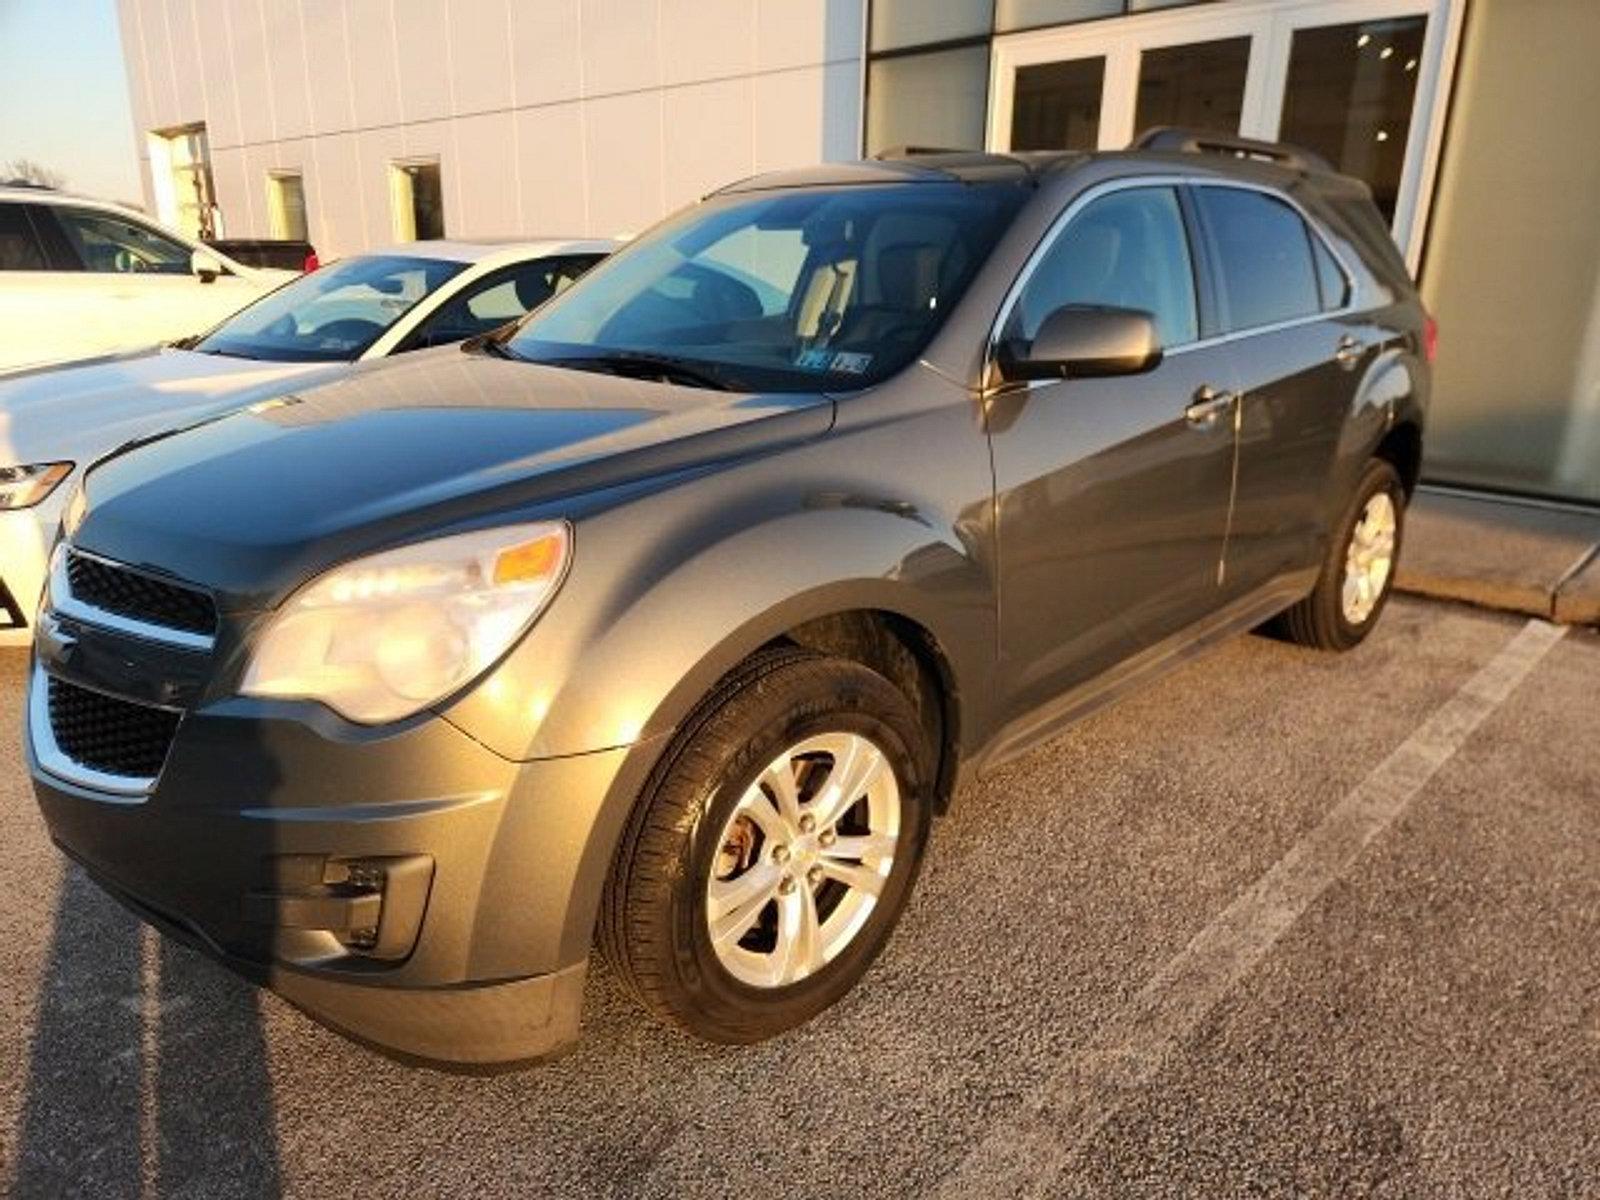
column 907, row 655
column 1401, row 447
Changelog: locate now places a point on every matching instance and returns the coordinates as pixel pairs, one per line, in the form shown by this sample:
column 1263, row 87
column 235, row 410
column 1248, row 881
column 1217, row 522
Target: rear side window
column 1262, row 251
column 1125, row 250
column 19, row 245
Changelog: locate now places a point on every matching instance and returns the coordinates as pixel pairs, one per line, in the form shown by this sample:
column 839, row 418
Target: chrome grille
column 139, row 597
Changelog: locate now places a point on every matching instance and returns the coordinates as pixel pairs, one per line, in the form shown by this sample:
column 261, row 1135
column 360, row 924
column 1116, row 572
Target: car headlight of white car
column 383, row 637
column 24, row 487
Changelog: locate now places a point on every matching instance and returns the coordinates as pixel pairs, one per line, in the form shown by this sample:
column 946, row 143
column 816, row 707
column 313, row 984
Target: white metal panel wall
column 547, row 116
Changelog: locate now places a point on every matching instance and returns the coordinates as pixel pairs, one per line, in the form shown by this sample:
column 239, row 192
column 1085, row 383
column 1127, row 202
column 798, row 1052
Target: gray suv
column 675, row 615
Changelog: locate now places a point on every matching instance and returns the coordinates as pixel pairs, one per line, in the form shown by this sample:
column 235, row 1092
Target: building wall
column 547, row 116
column 1513, row 260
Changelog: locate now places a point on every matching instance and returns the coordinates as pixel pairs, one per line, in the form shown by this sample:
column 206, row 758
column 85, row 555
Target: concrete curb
column 1507, row 554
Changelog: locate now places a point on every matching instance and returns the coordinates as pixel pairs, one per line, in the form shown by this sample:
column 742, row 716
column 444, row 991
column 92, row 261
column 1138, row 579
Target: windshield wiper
column 493, row 347
column 641, row 364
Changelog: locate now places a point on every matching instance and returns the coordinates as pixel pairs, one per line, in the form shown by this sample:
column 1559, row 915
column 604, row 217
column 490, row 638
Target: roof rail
column 1195, row 141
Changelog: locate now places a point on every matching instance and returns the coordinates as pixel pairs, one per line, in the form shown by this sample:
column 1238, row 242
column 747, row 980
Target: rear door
column 1112, row 501
column 1284, row 299
column 28, row 329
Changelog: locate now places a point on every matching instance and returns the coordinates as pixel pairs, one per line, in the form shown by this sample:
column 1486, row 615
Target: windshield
column 330, row 315
column 827, row 289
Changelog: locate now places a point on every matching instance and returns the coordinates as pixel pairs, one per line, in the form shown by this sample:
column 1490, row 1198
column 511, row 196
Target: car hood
column 255, row 503
column 78, row 412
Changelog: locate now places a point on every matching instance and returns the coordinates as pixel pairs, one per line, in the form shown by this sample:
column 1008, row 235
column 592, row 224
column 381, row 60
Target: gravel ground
column 1430, row 1026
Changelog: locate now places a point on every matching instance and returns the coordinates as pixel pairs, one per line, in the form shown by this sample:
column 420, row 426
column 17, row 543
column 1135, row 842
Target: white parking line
column 1025, row 1155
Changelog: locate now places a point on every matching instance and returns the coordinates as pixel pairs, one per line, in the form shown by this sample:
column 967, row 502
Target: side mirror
column 1079, row 341
column 205, row 266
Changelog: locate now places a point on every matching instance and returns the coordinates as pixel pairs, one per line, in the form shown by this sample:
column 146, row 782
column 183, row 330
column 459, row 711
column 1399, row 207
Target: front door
column 1112, row 501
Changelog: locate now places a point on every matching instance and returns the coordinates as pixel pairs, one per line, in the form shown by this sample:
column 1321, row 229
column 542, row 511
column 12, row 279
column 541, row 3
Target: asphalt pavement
column 1283, row 924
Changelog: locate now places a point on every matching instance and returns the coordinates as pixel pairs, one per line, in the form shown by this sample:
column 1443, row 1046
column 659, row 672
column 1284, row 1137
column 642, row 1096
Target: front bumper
column 24, row 544
column 263, row 814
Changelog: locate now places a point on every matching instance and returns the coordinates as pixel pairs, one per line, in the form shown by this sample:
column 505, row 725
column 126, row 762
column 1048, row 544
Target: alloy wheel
column 802, row 860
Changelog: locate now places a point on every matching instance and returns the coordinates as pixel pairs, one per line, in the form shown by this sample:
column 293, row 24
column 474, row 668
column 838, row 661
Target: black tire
column 653, row 922
column 1319, row 620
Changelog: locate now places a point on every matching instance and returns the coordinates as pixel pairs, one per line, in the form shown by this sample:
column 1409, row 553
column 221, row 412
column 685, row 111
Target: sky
column 64, row 94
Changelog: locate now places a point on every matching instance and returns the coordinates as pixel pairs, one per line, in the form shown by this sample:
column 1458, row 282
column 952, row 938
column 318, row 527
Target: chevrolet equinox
column 672, row 617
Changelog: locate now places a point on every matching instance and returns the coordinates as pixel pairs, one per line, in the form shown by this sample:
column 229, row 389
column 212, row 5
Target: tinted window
column 1263, row 254
column 501, row 298
column 108, row 243
column 19, row 247
column 1330, row 277
column 796, row 290
column 331, row 315
column 1125, row 250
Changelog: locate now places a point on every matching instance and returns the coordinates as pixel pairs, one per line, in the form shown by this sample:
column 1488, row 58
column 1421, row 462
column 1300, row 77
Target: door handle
column 1349, row 351
column 1208, row 404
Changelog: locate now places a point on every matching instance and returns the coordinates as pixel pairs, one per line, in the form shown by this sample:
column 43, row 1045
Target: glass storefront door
column 1354, row 80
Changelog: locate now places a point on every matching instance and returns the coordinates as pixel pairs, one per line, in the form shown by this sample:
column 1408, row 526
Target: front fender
column 645, row 626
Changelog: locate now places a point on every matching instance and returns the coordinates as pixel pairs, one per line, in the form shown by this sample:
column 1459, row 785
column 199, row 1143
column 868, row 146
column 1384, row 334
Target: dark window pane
column 1349, row 96
column 1330, row 278
column 19, row 248
column 1263, row 253
column 427, row 200
column 1127, row 250
column 108, row 243
column 1056, row 106
column 900, row 23
column 934, row 99
column 1197, row 86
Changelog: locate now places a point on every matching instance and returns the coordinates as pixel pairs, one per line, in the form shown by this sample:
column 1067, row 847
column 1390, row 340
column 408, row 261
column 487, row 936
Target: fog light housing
column 366, row 907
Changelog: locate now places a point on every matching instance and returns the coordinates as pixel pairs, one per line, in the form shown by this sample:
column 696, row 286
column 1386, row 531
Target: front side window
column 19, row 245
column 331, row 315
column 1262, row 249
column 501, row 298
column 1125, row 250
column 108, row 243
column 788, row 291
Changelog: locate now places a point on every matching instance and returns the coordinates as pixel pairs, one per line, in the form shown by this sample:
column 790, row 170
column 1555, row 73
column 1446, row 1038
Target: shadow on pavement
column 148, row 1073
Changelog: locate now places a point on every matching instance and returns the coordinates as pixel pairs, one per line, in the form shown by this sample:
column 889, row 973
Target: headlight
column 23, row 487
column 384, row 637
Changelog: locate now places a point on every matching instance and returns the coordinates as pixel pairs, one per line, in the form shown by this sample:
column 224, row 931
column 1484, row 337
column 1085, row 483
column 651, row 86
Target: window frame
column 1211, row 331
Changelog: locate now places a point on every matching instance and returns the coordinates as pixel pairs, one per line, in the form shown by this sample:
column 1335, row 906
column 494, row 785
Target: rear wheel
column 771, row 858
column 1358, row 573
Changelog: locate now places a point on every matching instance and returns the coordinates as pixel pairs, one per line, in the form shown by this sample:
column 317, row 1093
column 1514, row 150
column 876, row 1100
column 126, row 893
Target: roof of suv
column 1181, row 150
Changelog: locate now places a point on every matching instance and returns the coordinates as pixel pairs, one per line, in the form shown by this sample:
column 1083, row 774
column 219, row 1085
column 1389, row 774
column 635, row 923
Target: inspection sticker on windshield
column 842, row 362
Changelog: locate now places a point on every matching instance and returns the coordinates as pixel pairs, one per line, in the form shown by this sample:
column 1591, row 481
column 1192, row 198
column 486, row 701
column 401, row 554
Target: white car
column 55, row 422
column 80, row 277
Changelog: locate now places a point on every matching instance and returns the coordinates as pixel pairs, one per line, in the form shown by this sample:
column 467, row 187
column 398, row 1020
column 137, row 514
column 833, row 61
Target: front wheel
column 770, row 859
column 1358, row 573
